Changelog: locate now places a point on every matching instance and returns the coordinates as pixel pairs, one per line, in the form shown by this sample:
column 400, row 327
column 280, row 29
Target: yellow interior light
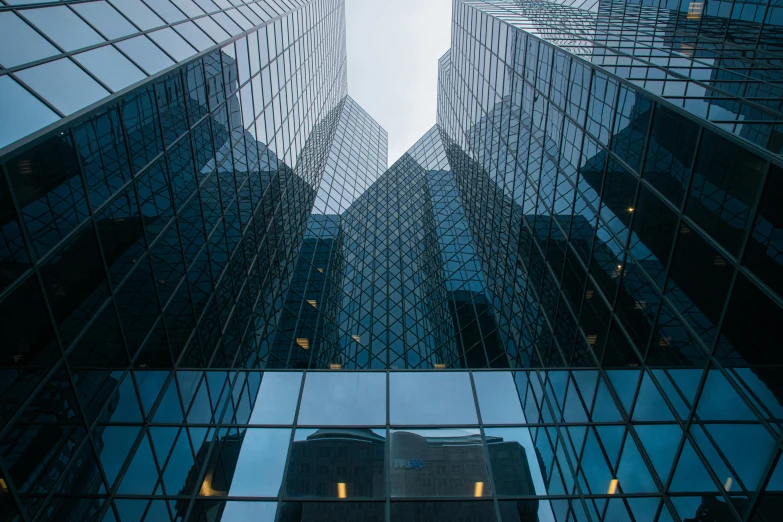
column 341, row 490
column 312, row 303
column 695, row 10
column 335, row 366
column 3, row 486
column 591, row 339
column 304, row 342
column 612, row 487
column 355, row 338
column 440, row 366
column 206, row 487
column 320, row 270
column 478, row 491
column 630, row 209
column 727, row 485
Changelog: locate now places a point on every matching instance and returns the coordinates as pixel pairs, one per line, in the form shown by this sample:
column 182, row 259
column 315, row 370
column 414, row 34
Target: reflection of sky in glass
column 276, row 399
column 261, row 463
column 343, row 399
column 431, row 398
column 244, row 511
column 497, row 398
column 522, row 435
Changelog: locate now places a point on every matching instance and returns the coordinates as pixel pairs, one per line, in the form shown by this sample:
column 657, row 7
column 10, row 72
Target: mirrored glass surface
column 13, row 31
column 439, row 462
column 172, row 43
column 63, row 84
column 105, row 18
column 145, row 53
column 431, row 398
column 497, row 398
column 261, row 462
column 61, row 25
column 337, row 463
column 277, row 398
column 350, row 398
column 111, row 67
column 236, row 511
column 22, row 112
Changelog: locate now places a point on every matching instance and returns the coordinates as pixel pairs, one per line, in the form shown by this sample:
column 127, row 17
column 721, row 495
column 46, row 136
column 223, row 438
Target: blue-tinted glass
column 141, row 50
column 14, row 30
column 277, row 398
column 111, row 67
column 63, row 26
column 343, row 399
column 497, row 398
column 261, row 462
column 63, row 84
column 431, row 398
column 173, row 44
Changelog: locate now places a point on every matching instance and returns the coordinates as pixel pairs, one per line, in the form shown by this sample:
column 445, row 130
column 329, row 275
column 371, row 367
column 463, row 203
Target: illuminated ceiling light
column 694, row 10
column 335, row 366
column 440, row 366
column 589, row 294
column 727, row 485
column 591, row 339
column 355, row 338
column 25, row 167
column 320, row 270
column 630, row 209
column 341, row 493
column 612, row 487
column 206, row 488
column 312, row 303
column 304, row 342
column 3, row 486
column 478, row 491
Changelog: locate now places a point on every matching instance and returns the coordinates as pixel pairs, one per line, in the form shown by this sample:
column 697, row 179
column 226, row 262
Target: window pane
column 259, row 469
column 350, row 398
column 516, row 467
column 348, row 511
column 337, row 463
column 277, row 397
column 497, row 398
column 431, row 398
column 439, row 462
column 63, row 84
column 173, row 43
column 111, row 67
column 138, row 13
column 61, row 25
column 256, row 511
column 105, row 18
column 21, row 112
column 14, row 30
column 415, row 511
column 145, row 53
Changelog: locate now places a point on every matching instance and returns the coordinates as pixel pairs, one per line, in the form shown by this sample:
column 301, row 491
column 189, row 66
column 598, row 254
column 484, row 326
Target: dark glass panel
column 425, row 511
column 171, row 105
column 617, row 206
column 630, row 126
column 726, row 181
column 49, row 191
column 140, row 116
column 183, row 178
column 764, row 252
column 670, row 151
column 102, row 345
column 14, row 258
column 137, row 305
column 337, row 463
column 28, row 338
column 698, row 284
column 75, row 283
column 100, row 142
column 327, row 511
column 155, row 199
column 121, row 235
column 197, row 90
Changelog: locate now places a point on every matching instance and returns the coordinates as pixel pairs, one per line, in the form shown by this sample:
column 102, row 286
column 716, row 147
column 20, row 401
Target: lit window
column 589, row 294
column 440, row 366
column 591, row 339
column 612, row 487
column 355, row 338
column 312, row 303
column 335, row 366
column 694, row 10
column 304, row 342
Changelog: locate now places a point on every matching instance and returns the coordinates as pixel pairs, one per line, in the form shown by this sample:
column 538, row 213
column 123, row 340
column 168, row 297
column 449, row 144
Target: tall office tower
column 217, row 303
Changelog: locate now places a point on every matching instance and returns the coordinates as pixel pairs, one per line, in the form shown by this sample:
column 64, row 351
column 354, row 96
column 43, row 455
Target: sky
column 393, row 51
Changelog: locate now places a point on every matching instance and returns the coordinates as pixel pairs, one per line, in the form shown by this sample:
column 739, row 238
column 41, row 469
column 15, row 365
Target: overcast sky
column 393, row 51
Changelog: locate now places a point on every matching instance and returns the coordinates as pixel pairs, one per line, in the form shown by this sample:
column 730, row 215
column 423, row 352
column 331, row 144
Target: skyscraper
column 563, row 303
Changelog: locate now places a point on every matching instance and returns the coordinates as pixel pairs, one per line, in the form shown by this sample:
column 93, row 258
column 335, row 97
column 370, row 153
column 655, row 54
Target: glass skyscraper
column 562, row 304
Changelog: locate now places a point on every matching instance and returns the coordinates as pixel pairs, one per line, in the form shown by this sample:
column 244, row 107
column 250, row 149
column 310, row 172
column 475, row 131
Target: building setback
column 563, row 303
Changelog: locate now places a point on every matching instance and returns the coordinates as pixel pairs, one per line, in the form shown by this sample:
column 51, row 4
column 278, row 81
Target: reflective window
column 22, row 112
column 497, row 398
column 349, row 398
column 414, row 511
column 61, row 25
column 315, row 511
column 277, row 398
column 337, row 463
column 14, row 30
column 431, row 398
column 438, row 463
column 172, row 43
column 138, row 13
column 105, row 18
column 261, row 462
column 516, row 468
column 111, row 67
column 242, row 511
column 194, row 35
column 142, row 51
column 63, row 84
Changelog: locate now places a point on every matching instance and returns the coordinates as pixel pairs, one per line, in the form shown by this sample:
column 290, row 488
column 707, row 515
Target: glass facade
column 217, row 303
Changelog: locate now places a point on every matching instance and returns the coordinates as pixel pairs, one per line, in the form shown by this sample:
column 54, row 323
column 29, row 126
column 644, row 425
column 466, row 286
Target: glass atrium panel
column 431, row 398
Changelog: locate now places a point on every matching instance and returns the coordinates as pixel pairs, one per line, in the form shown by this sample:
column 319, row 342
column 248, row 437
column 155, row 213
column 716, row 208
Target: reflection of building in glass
column 189, row 199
